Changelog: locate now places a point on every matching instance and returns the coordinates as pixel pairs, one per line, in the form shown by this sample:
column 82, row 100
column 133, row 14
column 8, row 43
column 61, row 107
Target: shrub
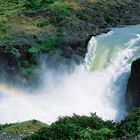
column 49, row 44
column 42, row 24
column 60, row 13
column 130, row 126
column 76, row 127
column 33, row 50
column 81, row 15
column 26, row 71
column 101, row 134
column 2, row 26
column 60, row 34
column 36, row 4
column 32, row 4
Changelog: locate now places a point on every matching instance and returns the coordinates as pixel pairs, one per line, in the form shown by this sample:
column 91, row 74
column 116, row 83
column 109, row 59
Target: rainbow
column 9, row 91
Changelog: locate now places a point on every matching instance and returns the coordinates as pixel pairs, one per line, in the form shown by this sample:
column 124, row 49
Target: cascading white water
column 90, row 53
column 96, row 86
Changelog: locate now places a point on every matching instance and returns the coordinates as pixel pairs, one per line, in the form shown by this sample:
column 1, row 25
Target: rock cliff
column 133, row 86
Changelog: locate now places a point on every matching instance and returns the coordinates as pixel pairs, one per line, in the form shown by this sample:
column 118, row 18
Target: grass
column 23, row 127
column 12, row 22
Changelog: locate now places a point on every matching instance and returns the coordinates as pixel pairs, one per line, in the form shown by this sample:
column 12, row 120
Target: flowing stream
column 98, row 85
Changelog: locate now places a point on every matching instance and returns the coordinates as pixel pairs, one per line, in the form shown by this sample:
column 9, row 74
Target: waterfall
column 99, row 88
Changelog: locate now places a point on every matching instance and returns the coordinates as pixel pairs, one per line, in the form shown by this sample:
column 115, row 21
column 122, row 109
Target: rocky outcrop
column 133, row 86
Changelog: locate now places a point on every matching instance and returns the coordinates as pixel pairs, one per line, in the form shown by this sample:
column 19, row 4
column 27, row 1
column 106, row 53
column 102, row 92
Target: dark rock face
column 133, row 86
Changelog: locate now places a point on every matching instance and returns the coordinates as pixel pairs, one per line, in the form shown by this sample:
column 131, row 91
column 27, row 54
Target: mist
column 64, row 93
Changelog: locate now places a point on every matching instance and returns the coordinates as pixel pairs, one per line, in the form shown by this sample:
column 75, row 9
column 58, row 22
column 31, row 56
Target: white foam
column 89, row 58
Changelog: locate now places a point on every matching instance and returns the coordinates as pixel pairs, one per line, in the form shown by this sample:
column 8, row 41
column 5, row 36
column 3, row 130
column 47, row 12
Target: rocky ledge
column 133, row 86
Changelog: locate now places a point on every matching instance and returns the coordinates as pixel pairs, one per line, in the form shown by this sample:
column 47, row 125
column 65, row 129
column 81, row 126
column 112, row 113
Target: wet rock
column 133, row 86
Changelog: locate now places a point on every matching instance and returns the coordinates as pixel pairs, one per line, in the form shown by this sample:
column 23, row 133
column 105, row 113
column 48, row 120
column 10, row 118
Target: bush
column 90, row 128
column 42, row 24
column 26, row 71
column 81, row 15
column 2, row 27
column 48, row 45
column 76, row 127
column 32, row 4
column 60, row 13
column 101, row 134
column 130, row 126
column 36, row 4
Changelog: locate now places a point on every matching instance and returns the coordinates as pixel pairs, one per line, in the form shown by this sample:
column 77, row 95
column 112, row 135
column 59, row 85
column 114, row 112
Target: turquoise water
column 116, row 40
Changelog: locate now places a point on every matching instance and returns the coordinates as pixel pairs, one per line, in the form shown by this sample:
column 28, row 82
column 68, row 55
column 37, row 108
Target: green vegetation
column 81, row 15
column 130, row 126
column 29, row 28
column 2, row 27
column 26, row 71
column 37, row 4
column 9, row 40
column 48, row 44
column 24, row 127
column 42, row 24
column 78, row 127
column 89, row 128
